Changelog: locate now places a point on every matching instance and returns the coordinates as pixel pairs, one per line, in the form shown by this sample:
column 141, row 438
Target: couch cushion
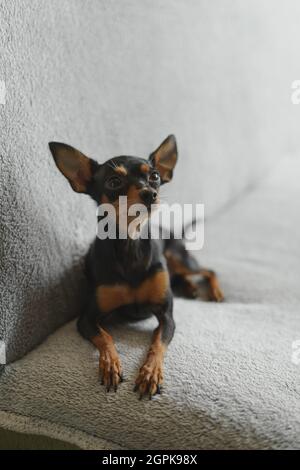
column 230, row 381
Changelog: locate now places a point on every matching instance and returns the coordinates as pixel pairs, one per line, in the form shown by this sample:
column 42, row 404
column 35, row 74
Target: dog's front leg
column 150, row 376
column 110, row 370
column 90, row 327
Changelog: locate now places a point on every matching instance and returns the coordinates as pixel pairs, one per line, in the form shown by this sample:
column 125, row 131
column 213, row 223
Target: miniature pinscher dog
column 132, row 279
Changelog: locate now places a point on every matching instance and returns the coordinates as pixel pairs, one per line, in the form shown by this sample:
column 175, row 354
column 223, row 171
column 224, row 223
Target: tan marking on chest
column 152, row 290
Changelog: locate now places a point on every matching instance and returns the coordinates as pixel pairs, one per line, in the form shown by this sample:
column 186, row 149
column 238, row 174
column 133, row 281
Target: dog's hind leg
column 186, row 274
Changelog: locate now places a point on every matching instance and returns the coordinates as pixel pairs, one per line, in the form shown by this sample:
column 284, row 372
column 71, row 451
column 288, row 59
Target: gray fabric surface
column 229, row 378
column 11, row 440
column 117, row 77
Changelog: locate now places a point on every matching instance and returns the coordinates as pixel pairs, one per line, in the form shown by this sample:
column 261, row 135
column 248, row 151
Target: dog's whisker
column 111, row 166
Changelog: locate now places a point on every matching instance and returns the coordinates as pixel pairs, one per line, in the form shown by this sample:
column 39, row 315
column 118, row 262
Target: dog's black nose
column 148, row 196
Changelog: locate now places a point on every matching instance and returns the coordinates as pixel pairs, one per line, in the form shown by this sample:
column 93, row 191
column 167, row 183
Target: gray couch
column 117, row 78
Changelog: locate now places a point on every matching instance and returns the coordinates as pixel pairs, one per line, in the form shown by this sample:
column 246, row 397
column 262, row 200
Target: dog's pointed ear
column 164, row 158
column 76, row 167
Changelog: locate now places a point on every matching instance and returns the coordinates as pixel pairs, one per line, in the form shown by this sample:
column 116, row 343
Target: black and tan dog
column 131, row 279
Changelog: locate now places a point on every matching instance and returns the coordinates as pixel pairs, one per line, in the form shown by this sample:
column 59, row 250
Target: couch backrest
column 117, row 77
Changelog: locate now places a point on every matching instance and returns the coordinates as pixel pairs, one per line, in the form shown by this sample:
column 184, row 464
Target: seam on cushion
column 248, row 189
column 64, row 432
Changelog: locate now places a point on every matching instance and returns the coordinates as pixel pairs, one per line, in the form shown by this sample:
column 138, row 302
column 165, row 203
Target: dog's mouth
column 146, row 206
column 131, row 214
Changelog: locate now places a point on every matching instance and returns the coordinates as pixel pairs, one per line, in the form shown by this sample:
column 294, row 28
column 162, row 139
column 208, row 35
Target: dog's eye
column 154, row 177
column 113, row 183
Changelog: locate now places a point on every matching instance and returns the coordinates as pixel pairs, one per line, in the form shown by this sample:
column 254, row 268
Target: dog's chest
column 152, row 290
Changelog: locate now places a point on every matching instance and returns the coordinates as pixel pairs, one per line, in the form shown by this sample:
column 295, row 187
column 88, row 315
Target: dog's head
column 137, row 178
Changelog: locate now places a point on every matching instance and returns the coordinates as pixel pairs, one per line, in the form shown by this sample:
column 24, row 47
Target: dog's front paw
column 150, row 377
column 110, row 370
